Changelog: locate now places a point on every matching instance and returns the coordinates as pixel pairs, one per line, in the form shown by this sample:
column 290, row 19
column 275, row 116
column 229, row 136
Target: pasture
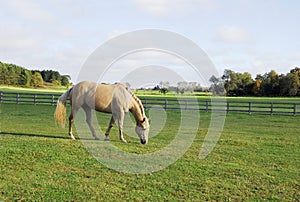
column 256, row 158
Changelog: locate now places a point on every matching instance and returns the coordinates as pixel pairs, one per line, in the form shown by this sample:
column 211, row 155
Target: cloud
column 233, row 34
column 173, row 7
column 151, row 67
column 282, row 63
column 18, row 42
column 114, row 33
column 295, row 57
column 29, row 10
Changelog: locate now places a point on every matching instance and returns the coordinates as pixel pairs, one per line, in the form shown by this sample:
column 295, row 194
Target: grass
column 207, row 96
column 152, row 94
column 53, row 89
column 256, row 158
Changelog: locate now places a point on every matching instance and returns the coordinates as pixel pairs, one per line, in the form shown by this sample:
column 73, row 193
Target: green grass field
column 153, row 94
column 53, row 89
column 256, row 159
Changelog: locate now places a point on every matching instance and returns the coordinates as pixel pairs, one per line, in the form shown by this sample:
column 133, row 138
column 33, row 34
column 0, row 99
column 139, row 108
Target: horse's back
column 81, row 92
column 101, row 97
column 114, row 97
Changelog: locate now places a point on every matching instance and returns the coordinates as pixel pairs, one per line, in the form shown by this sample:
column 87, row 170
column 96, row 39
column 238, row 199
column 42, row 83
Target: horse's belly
column 105, row 109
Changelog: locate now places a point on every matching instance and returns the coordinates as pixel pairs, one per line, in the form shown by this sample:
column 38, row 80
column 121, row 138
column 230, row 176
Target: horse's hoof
column 124, row 141
column 96, row 138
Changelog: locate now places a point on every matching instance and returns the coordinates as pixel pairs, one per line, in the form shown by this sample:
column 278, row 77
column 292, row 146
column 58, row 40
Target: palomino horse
column 115, row 99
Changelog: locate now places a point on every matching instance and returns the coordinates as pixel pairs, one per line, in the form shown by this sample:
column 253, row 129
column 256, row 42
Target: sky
column 243, row 35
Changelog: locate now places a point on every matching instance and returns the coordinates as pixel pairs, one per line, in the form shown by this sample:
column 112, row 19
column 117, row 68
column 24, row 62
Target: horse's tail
column 60, row 111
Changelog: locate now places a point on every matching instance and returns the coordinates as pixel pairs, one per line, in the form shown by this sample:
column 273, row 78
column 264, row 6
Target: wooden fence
column 28, row 98
column 292, row 108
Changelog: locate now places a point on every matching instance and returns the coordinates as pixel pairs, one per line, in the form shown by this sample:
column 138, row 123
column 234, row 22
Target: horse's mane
column 136, row 99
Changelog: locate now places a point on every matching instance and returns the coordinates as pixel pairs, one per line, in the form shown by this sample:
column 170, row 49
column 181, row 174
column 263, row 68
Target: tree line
column 269, row 84
column 11, row 74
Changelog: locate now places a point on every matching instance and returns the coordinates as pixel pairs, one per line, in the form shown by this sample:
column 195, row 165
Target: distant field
column 58, row 89
column 256, row 159
column 206, row 96
column 156, row 94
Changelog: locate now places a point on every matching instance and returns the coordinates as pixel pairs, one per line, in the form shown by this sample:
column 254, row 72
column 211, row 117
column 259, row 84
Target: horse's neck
column 137, row 111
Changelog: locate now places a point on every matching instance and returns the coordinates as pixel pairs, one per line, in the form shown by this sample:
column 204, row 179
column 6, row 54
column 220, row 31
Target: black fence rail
column 28, row 98
column 291, row 107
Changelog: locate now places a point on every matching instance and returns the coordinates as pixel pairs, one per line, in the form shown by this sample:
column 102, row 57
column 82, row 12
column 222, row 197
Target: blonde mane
column 139, row 102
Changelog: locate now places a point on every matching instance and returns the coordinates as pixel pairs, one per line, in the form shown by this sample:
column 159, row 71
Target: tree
column 288, row 85
column 55, row 76
column 164, row 87
column 163, row 90
column 217, row 87
column 247, row 84
column 226, row 78
column 257, row 87
column 182, row 87
column 3, row 73
column 239, row 84
column 46, row 74
column 192, row 86
column 156, row 87
column 65, row 80
column 36, row 80
column 11, row 74
column 270, row 84
column 12, row 77
column 296, row 71
column 56, row 83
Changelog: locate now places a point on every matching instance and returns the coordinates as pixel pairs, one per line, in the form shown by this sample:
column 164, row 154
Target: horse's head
column 142, row 129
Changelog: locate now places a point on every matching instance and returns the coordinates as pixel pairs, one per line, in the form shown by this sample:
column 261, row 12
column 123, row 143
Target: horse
column 115, row 99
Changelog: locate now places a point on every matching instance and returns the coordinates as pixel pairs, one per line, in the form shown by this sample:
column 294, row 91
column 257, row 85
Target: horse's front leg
column 120, row 123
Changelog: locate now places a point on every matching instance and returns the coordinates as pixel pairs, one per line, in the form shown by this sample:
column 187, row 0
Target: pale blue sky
column 242, row 35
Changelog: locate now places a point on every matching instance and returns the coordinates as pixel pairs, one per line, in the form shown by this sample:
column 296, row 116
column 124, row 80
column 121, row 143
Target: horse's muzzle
column 143, row 141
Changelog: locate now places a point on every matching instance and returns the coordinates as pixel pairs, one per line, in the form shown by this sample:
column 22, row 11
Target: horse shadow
column 33, row 135
column 42, row 135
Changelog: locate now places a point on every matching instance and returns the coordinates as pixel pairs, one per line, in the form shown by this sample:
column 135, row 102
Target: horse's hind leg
column 88, row 112
column 111, row 123
column 71, row 121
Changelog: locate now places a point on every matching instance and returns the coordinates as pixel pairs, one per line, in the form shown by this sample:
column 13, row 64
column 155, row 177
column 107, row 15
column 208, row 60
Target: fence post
column 52, row 100
column 227, row 106
column 1, row 95
column 166, row 103
column 249, row 107
column 34, row 99
column 271, row 108
column 17, row 98
column 146, row 103
column 186, row 104
column 206, row 107
column 295, row 107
